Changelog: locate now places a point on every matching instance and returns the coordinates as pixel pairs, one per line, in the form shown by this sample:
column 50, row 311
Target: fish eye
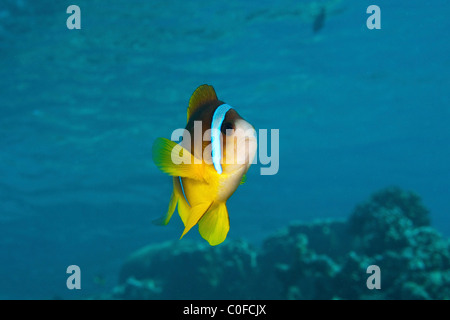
column 227, row 126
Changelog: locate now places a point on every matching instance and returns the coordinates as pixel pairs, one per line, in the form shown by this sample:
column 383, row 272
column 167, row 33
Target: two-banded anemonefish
column 206, row 173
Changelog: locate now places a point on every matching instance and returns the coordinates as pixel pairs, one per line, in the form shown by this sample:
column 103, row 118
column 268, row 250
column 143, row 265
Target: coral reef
column 320, row 260
column 184, row 269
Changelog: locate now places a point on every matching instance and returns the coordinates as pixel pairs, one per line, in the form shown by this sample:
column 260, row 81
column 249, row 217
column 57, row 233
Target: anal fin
column 215, row 224
column 195, row 214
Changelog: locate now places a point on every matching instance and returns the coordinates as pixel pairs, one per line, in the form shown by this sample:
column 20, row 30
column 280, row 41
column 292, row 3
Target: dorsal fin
column 201, row 96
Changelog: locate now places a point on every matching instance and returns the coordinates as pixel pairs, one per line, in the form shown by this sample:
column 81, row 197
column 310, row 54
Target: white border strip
column 216, row 123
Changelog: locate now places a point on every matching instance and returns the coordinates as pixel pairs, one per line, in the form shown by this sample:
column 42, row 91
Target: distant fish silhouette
column 319, row 20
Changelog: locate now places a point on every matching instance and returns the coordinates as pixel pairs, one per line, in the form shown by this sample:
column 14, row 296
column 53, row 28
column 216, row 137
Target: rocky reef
column 187, row 270
column 320, row 260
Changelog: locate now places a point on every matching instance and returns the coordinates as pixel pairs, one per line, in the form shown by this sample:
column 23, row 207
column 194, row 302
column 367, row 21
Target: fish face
column 239, row 144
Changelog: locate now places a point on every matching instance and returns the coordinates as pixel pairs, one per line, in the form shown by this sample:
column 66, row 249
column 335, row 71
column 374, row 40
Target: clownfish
column 207, row 172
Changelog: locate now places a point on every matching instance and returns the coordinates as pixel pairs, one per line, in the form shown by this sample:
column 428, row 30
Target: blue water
column 357, row 110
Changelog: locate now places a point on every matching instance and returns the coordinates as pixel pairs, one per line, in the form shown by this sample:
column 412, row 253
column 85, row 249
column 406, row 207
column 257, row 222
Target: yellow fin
column 164, row 150
column 164, row 220
column 195, row 214
column 215, row 224
column 201, row 96
column 243, row 180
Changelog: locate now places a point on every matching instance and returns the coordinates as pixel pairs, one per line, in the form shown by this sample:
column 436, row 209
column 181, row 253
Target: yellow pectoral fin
column 215, row 224
column 194, row 215
column 175, row 160
column 164, row 220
